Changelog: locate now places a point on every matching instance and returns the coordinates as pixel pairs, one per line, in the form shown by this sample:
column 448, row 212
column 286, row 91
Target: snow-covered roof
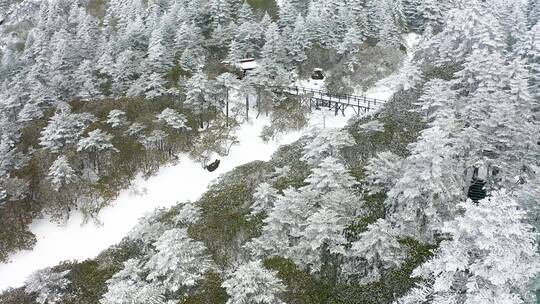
column 247, row 64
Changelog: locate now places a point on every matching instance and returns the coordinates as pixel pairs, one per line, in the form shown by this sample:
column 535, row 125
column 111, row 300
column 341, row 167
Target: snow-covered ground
column 186, row 180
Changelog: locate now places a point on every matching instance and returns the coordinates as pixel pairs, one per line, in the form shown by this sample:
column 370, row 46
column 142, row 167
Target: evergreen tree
column 64, row 129
column 61, row 64
column 97, row 141
column 490, row 258
column 297, row 43
column 531, row 51
column 135, row 129
column 252, row 283
column 155, row 86
column 383, row 171
column 377, row 250
column 274, row 57
column 329, row 175
column 61, row 173
column 148, row 230
column 351, row 43
column 179, row 261
column 189, row 214
column 224, row 84
column 159, row 59
column 197, row 90
column 327, row 142
column 49, row 286
column 87, row 82
column 533, row 10
column 246, row 14
column 389, row 32
column 222, row 12
column 128, row 286
column 30, row 112
column 173, row 119
column 116, row 118
column 287, row 15
column 264, row 197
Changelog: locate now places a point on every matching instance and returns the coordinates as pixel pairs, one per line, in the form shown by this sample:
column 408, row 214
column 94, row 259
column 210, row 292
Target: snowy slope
column 184, row 181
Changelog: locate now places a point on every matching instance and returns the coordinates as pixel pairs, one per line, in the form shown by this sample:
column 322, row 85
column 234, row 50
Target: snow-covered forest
column 432, row 198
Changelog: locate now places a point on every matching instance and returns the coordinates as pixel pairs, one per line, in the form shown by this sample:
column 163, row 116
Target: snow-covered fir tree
column 117, row 118
column 252, row 283
column 64, row 128
column 173, row 119
column 179, row 262
column 490, row 257
column 49, row 286
column 61, row 173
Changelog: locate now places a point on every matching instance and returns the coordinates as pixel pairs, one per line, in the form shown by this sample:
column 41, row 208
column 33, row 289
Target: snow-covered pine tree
column 376, row 251
column 117, row 118
column 64, row 129
column 531, row 51
column 97, row 145
column 154, row 85
column 389, row 30
column 327, row 142
column 264, row 197
column 48, row 285
column 30, row 112
column 352, row 41
column 246, row 14
column 189, row 214
column 193, row 56
column 222, row 12
column 60, row 173
column 87, row 82
column 197, row 90
column 491, row 256
column 129, row 286
column 533, row 12
column 179, row 261
column 329, row 175
column 173, row 119
column 96, row 141
column 297, row 43
column 224, row 84
column 252, row 283
column 285, row 220
column 159, row 58
column 432, row 179
column 135, row 129
column 383, row 171
column 274, row 61
column 287, row 15
column 155, row 140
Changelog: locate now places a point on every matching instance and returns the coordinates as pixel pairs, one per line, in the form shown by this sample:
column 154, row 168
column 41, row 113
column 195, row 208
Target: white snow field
column 184, row 181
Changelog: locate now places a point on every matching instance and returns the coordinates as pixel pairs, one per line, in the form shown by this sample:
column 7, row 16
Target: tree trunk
column 258, row 102
column 227, row 106
column 247, row 106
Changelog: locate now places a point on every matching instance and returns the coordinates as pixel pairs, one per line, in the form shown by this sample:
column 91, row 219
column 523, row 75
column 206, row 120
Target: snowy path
column 184, row 181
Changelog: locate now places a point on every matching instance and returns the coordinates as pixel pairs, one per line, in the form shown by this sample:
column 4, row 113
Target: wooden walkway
column 319, row 99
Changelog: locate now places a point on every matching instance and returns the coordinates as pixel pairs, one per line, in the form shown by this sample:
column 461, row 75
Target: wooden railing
column 338, row 102
column 342, row 97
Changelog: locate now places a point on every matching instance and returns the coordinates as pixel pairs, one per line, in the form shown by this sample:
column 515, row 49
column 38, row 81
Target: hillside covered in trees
column 432, row 199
